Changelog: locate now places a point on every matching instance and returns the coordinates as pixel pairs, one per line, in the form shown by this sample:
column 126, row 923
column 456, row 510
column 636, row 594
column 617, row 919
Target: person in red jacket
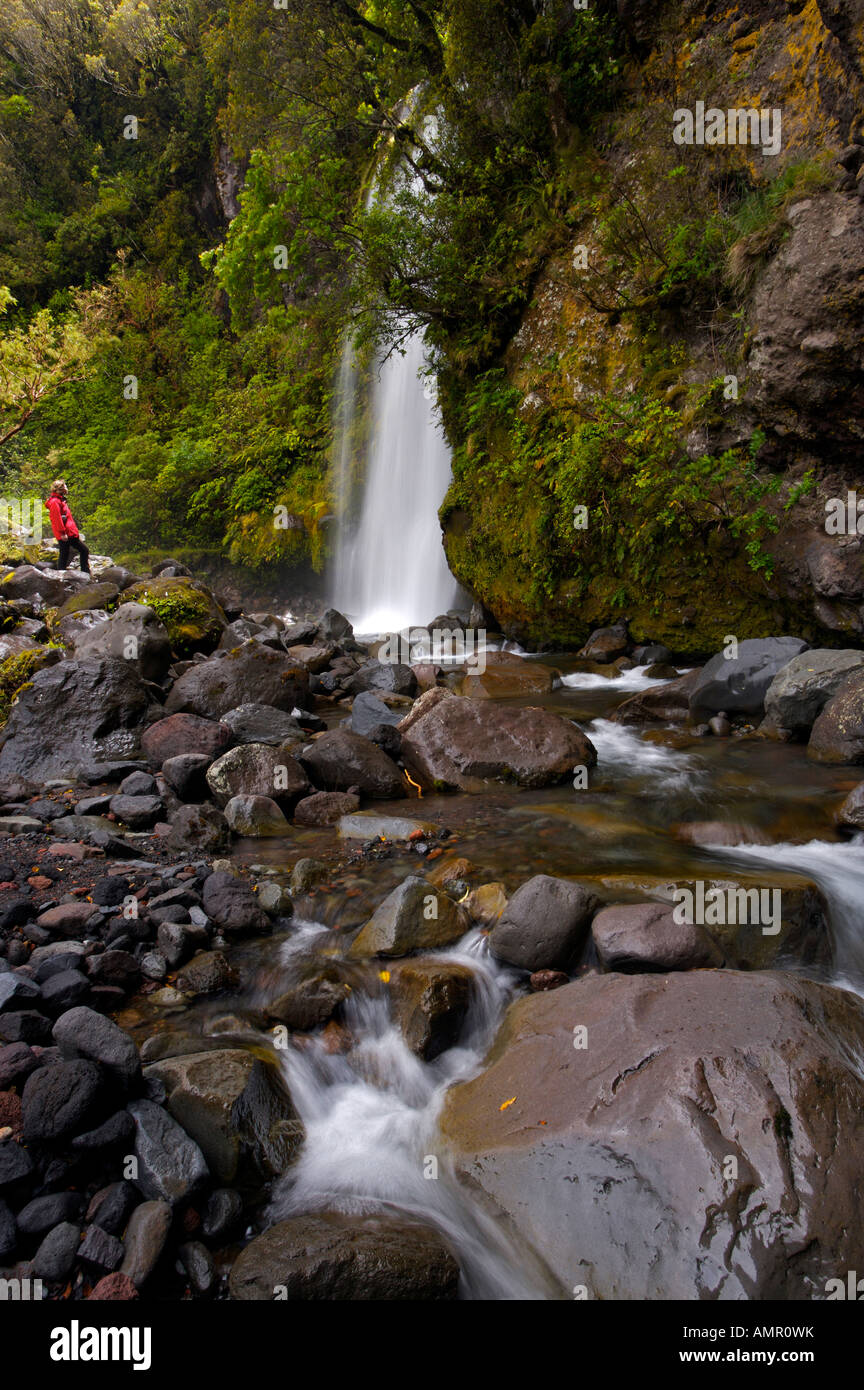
column 64, row 528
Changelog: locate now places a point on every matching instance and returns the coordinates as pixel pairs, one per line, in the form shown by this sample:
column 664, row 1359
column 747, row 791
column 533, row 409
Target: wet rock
column 192, row 616
column 625, row 1189
column 171, row 1166
column 207, row 973
column 222, row 1215
column 634, row 937
column 741, row 683
column 368, row 712
column 59, row 1101
column 100, row 1251
column 83, row 1033
column 542, row 980
column 836, row 569
column 430, row 999
column 340, row 760
column 255, row 723
column 56, row 1255
column 15, row 909
column 335, row 1257
column 199, row 1267
column 180, row 734
column 485, row 904
column 325, row 808
column 414, row 917
column 16, row 1167
column 716, row 832
column 309, row 1004
column 116, row 1130
column 800, row 691
column 275, row 899
column 69, row 919
column 202, row 828
column 851, row 813
column 460, row 741
column 117, row 968
column 63, row 990
column 315, row 658
column 392, row 678
column 135, row 634
column 71, row 714
column 334, row 627
column 506, row 676
column 236, row 1109
column 114, row 1288
column 426, row 702
column 606, row 643
column 257, row 770
column 145, row 1240
column 17, row 991
column 17, row 1061
column 661, row 704
column 249, row 673
column 837, row 735
column 232, row 905
column 43, row 1213
column 256, row 817
column 720, row 726
column 544, row 925
column 368, row 826
column 112, row 1206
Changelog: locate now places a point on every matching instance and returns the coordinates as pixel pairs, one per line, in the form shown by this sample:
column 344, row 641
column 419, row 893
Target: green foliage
column 15, row 672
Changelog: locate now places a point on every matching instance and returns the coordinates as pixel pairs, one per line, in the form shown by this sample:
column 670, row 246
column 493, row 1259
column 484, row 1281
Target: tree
column 40, row 358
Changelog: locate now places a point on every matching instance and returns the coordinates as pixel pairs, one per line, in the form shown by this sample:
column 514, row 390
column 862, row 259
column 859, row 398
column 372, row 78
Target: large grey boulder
column 642, row 937
column 683, row 1154
column 256, row 723
column 838, row 734
column 134, row 633
column 81, row 1032
column 72, row 714
column 544, row 925
column 257, row 769
column 739, row 684
column 256, row 817
column 799, row 691
column 341, row 759
column 414, row 917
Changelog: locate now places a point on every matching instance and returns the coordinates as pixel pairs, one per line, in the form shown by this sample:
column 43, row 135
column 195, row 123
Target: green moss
column 191, row 615
column 15, row 674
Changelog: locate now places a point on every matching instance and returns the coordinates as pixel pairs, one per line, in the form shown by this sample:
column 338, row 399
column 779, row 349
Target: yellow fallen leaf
column 507, row 1103
column 385, row 976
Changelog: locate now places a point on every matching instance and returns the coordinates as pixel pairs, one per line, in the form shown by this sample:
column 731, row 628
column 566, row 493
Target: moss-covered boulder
column 101, row 595
column 18, row 668
column 193, row 618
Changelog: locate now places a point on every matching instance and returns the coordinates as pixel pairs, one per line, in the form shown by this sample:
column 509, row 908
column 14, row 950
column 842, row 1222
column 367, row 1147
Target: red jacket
column 62, row 520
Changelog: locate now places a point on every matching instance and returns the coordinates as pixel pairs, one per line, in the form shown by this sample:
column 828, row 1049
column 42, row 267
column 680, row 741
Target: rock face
column 739, row 684
column 635, row 937
column 801, row 689
column 544, row 926
column 460, row 741
column 623, row 1189
column 414, row 917
column 249, row 673
column 336, row 1257
column 838, row 734
column 71, row 714
column 341, row 759
column 133, row 633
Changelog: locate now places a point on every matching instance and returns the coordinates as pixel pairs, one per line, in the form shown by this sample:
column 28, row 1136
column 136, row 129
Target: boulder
column 256, row 817
column 257, row 770
column 71, row 714
column 232, row 905
column 799, row 691
column 145, row 1239
column 184, row 734
column 739, row 684
column 626, row 1191
column 851, row 813
column 133, row 633
column 43, row 588
column 507, row 675
column 634, row 937
column 83, row 1033
column 430, row 1000
column 171, row 1166
column 391, row 677
column 207, row 973
column 186, row 775
column 368, row 712
column 334, row 627
column 544, row 925
column 316, row 658
column 254, row 723
column 460, row 741
column 661, row 704
column 248, row 673
column 837, row 735
column 606, row 643
column 340, row 760
column 201, row 828
column 137, row 812
column 414, row 917
column 325, row 808
column 60, row 1101
column 235, row 1108
column 309, row 1004
column 192, row 617
column 335, row 1257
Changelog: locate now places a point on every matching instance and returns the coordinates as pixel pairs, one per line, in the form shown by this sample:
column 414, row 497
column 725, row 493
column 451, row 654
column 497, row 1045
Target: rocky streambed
column 324, row 976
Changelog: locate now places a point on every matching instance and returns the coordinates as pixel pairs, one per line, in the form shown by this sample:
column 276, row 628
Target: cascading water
column 391, row 570
column 370, row 1121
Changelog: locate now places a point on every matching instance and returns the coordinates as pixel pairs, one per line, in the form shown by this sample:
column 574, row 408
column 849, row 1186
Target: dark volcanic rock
column 249, row 673
column 740, row 683
column 838, row 734
column 644, row 936
column 60, row 1101
column 183, row 734
column 340, row 759
column 544, row 925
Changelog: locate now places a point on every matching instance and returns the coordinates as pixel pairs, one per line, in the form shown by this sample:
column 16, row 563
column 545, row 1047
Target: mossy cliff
column 689, row 367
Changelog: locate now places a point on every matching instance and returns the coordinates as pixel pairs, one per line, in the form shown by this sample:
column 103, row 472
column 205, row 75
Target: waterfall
column 390, row 569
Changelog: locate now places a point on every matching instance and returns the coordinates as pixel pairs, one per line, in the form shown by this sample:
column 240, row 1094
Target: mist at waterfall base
column 390, row 568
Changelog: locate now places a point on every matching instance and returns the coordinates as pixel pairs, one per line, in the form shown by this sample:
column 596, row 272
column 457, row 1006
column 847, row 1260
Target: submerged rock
column 430, row 998
column 414, row 917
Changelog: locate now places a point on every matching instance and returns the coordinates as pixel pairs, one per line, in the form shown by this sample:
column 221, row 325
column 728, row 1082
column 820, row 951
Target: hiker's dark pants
column 73, row 543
